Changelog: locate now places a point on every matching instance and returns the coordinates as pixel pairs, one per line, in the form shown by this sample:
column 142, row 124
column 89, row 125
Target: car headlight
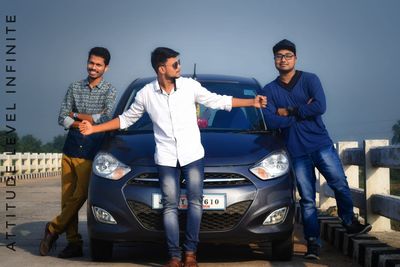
column 107, row 166
column 274, row 165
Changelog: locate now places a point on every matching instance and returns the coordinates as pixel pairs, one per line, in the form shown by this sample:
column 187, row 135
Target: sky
column 351, row 45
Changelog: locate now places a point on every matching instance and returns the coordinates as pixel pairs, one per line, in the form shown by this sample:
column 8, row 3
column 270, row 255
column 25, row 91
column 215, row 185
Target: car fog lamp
column 103, row 215
column 277, row 216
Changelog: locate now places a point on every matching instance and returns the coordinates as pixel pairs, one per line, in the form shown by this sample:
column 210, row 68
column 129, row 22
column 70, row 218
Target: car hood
column 221, row 149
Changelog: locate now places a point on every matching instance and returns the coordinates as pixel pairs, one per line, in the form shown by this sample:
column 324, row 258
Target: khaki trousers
column 75, row 183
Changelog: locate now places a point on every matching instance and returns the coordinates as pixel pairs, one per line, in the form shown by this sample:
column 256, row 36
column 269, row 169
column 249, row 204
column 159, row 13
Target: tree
column 7, row 139
column 11, row 142
column 58, row 142
column 396, row 133
column 56, row 145
column 29, row 143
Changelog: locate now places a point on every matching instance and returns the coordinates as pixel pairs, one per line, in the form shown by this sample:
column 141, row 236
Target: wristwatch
column 293, row 111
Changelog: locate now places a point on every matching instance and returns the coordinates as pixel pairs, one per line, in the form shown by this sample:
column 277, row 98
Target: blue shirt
column 303, row 131
column 80, row 98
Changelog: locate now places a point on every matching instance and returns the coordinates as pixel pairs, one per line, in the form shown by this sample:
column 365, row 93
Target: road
column 37, row 201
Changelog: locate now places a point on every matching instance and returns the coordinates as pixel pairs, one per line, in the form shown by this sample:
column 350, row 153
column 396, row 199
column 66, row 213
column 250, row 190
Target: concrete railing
column 374, row 201
column 29, row 163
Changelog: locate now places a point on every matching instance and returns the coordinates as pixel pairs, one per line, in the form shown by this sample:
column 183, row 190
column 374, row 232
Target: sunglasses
column 174, row 65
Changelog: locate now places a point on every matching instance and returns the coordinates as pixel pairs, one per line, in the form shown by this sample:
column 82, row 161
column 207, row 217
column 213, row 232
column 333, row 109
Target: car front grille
column 210, row 179
column 212, row 220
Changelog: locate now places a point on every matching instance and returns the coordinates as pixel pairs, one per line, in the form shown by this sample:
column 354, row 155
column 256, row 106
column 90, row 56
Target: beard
column 172, row 78
column 285, row 71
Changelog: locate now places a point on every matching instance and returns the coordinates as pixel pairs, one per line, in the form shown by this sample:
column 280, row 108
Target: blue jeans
column 193, row 174
column 327, row 161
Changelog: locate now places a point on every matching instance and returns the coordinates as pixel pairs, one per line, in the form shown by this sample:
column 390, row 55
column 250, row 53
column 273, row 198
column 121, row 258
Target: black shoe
column 312, row 249
column 47, row 242
column 356, row 228
column 71, row 250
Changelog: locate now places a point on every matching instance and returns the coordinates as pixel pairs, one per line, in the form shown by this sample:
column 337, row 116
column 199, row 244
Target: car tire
column 101, row 250
column 282, row 250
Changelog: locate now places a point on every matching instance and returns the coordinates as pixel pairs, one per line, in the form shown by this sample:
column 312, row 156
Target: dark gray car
column 248, row 186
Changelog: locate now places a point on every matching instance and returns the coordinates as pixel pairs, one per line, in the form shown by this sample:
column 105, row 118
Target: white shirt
column 176, row 132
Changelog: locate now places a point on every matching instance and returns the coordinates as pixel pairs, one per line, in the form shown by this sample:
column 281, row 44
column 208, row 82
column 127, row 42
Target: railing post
column 351, row 171
column 2, row 165
column 53, row 161
column 34, row 163
column 59, row 165
column 18, row 163
column 41, row 163
column 47, row 162
column 8, row 163
column 28, row 162
column 377, row 181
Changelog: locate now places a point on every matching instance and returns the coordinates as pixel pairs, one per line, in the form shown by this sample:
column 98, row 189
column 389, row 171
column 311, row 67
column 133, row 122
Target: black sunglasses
column 175, row 64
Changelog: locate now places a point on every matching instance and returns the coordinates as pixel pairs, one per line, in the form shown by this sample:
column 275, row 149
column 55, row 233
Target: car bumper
column 248, row 204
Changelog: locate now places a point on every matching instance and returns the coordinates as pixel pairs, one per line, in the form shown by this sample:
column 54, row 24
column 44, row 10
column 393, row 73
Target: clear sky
column 353, row 46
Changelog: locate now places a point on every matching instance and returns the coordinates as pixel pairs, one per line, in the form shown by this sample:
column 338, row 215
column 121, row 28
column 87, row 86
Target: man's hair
column 101, row 52
column 284, row 44
column 160, row 55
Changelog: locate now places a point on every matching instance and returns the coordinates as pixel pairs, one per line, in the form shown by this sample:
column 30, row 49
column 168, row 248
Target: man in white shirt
column 170, row 101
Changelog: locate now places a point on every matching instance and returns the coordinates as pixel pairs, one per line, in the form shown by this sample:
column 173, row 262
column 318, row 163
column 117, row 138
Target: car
column 249, row 192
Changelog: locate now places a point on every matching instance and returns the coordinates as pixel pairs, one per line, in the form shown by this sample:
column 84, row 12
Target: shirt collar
column 100, row 85
column 157, row 87
column 292, row 83
column 178, row 83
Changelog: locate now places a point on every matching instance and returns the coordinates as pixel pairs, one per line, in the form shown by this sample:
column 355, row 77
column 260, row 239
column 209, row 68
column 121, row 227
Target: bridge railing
column 376, row 158
column 29, row 163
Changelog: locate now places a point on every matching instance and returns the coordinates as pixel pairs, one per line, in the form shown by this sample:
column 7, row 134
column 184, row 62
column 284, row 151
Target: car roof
column 208, row 78
column 214, row 78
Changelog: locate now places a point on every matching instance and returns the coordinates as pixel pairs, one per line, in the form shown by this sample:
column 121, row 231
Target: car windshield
column 238, row 119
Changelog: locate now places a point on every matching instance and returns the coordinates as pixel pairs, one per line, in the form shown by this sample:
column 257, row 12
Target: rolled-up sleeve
column 106, row 115
column 134, row 113
column 66, row 107
column 212, row 100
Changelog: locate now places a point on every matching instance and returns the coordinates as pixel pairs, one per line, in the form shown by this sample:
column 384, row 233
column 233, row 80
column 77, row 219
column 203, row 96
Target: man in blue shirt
column 91, row 99
column 296, row 102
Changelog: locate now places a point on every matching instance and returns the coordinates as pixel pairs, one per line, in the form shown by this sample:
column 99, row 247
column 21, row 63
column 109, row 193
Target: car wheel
column 100, row 250
column 282, row 250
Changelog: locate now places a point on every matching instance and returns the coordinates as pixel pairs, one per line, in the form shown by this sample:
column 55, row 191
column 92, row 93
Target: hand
column 86, row 128
column 260, row 101
column 282, row 112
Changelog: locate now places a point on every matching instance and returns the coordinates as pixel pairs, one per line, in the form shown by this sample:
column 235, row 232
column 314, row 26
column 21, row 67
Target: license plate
column 210, row 202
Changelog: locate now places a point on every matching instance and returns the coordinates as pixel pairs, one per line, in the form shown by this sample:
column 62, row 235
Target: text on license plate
column 210, row 202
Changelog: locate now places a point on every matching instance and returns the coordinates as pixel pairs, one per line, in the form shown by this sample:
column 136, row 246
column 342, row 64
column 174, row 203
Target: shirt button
column 80, row 146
